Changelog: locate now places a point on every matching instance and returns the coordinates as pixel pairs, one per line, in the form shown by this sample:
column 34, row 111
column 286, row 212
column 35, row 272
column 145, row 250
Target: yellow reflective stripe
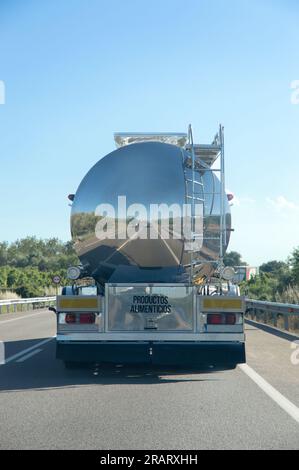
column 78, row 303
column 222, row 303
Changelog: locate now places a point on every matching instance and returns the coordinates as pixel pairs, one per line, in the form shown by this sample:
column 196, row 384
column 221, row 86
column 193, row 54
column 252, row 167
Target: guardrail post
column 275, row 319
column 286, row 322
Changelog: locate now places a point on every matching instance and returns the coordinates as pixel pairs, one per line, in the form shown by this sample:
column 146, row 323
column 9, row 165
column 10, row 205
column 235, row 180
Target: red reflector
column 221, row 319
column 230, row 319
column 87, row 318
column 70, row 318
column 214, row 319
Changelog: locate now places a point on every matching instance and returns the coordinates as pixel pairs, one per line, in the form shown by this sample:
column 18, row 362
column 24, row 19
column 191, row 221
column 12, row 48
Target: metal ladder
column 195, row 196
column 202, row 158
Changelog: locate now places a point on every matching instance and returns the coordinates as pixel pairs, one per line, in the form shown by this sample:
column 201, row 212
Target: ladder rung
column 209, row 169
column 195, row 198
column 195, row 182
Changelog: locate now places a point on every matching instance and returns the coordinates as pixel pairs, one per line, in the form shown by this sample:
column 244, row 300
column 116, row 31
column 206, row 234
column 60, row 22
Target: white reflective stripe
column 281, row 400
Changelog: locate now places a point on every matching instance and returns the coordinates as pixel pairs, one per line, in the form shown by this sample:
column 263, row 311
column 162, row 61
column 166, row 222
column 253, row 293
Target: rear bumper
column 191, row 354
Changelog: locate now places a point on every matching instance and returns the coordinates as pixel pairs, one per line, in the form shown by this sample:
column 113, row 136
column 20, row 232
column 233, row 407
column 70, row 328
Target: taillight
column 230, row 319
column 70, row 318
column 221, row 319
column 87, row 318
column 214, row 319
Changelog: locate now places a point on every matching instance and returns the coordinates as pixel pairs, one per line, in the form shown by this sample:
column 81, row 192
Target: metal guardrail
column 265, row 311
column 31, row 303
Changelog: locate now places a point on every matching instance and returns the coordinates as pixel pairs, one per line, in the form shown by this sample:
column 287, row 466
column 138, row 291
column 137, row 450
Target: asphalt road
column 45, row 406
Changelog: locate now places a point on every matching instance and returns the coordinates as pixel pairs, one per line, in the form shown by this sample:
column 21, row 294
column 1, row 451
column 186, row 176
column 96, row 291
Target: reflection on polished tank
column 153, row 170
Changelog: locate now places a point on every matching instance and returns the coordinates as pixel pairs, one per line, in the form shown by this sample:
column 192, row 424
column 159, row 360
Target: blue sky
column 76, row 71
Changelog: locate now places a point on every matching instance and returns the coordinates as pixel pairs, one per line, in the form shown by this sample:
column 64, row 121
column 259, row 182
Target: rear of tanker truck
column 150, row 223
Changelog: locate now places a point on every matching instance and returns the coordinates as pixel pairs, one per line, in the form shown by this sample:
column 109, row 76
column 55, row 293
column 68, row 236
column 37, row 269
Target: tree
column 27, row 266
column 233, row 258
column 3, row 277
column 29, row 281
column 47, row 255
column 3, row 253
column 294, row 266
column 262, row 287
column 274, row 267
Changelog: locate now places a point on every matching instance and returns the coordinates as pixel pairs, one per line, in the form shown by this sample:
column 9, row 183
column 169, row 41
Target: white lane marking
column 20, row 318
column 171, row 251
column 121, row 246
column 167, row 246
column 24, row 358
column 281, row 400
column 21, row 353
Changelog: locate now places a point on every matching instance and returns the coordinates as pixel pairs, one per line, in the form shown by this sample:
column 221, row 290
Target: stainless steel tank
column 145, row 173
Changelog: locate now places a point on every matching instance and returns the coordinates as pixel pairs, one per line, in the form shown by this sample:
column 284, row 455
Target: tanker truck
column 150, row 223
